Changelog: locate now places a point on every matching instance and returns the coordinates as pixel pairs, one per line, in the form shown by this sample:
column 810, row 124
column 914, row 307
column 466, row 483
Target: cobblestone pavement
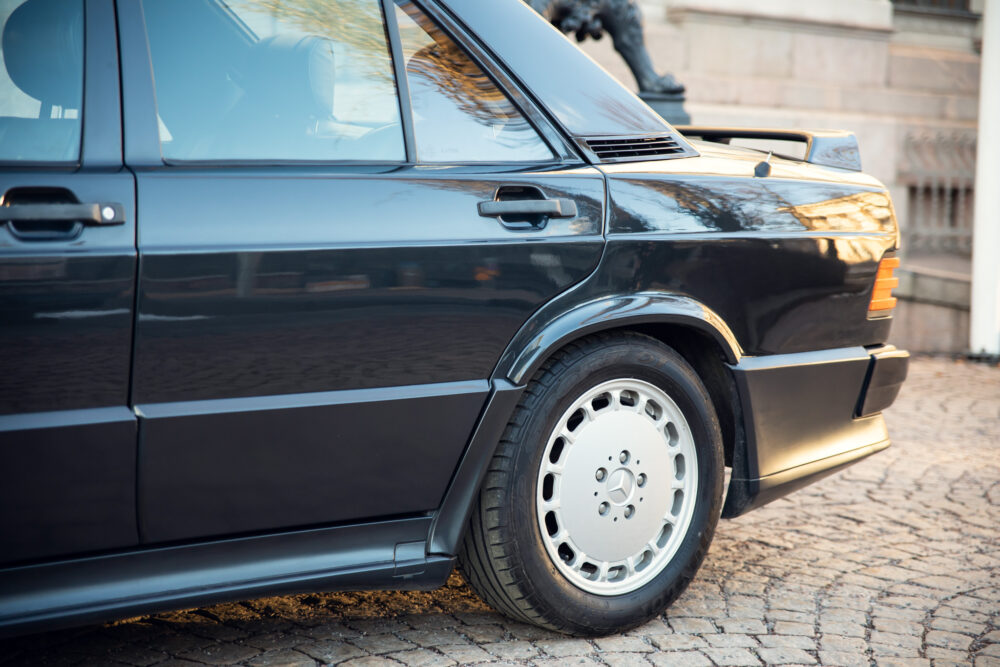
column 894, row 561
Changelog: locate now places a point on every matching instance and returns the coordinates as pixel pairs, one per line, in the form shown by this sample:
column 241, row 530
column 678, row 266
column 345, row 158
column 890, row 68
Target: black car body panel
column 67, row 433
column 287, row 376
column 324, row 301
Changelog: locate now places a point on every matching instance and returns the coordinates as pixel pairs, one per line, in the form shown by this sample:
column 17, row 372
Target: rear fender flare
column 542, row 335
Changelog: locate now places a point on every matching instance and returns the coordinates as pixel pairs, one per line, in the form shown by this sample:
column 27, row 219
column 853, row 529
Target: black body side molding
column 381, row 555
column 450, row 520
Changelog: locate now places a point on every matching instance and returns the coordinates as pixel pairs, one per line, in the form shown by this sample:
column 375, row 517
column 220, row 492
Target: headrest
column 43, row 50
column 293, row 72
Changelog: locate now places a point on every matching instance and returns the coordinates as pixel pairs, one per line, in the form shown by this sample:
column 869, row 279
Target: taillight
column 882, row 298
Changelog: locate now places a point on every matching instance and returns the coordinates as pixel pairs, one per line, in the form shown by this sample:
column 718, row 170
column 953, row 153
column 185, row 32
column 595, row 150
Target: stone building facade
column 902, row 75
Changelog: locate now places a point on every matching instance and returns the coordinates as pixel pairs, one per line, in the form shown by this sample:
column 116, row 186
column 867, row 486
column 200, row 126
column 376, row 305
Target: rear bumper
column 808, row 415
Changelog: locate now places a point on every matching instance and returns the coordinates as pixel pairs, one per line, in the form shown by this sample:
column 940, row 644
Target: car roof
column 582, row 96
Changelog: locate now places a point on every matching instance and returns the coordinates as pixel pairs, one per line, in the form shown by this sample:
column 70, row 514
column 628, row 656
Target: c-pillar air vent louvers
column 637, row 148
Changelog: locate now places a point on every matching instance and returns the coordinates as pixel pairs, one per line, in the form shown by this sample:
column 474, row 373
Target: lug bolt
column 641, row 479
column 602, row 509
column 629, row 511
column 623, row 457
column 601, row 474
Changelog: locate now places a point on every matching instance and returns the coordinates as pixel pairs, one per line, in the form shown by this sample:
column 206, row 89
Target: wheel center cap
column 621, row 484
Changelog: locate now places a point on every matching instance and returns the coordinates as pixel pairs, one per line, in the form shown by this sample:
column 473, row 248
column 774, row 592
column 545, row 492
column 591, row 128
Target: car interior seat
column 288, row 87
column 43, row 52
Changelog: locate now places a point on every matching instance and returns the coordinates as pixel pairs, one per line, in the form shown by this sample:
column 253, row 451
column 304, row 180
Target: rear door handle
column 550, row 208
column 87, row 214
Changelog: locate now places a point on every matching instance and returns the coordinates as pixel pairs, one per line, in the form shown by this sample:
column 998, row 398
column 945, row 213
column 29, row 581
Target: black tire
column 503, row 556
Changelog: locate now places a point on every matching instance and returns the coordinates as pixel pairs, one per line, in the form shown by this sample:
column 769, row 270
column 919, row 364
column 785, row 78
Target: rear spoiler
column 830, row 148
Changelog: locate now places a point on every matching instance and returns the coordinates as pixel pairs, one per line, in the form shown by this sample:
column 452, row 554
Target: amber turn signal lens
column 882, row 298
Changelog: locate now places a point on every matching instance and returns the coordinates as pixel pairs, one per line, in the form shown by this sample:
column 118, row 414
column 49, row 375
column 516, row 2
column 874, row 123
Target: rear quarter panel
column 787, row 261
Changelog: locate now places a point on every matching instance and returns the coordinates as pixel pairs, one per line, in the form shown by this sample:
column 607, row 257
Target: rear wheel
column 603, row 495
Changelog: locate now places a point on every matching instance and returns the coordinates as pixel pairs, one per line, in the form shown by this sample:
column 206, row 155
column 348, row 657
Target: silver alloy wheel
column 616, row 487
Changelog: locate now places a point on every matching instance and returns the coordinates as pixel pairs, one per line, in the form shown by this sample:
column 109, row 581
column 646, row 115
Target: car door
column 343, row 221
column 67, row 276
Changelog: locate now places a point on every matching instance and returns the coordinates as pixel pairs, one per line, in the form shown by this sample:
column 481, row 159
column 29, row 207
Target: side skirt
column 381, row 555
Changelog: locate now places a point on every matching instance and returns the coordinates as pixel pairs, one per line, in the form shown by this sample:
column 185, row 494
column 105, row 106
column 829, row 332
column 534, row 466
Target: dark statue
column 623, row 21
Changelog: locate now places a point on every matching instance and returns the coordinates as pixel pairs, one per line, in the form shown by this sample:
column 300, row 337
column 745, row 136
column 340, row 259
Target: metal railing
column 936, row 6
column 939, row 170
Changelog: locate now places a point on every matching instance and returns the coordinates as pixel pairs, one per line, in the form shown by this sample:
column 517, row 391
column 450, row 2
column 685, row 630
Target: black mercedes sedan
column 302, row 295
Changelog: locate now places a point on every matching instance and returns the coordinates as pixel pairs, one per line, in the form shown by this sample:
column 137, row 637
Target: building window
column 948, row 6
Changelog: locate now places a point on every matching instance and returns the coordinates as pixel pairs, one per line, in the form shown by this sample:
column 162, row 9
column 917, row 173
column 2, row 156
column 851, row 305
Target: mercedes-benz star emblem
column 620, row 484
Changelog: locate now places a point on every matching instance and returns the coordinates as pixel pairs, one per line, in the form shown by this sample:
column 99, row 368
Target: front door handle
column 550, row 208
column 87, row 214
column 34, row 222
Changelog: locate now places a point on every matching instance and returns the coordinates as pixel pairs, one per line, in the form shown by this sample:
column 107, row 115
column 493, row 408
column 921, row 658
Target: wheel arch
column 693, row 330
column 547, row 333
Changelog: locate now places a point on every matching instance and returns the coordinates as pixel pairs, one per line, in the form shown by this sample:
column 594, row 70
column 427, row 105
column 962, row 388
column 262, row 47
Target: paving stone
column 727, row 640
column 954, row 625
column 841, row 615
column 731, row 656
column 787, row 641
column 623, row 645
column 516, row 650
column 843, row 659
column 561, row 648
column 839, row 643
column 789, row 628
column 951, row 640
column 845, row 629
column 273, row 641
column 785, row 656
column 422, row 657
column 428, row 638
column 693, row 626
column 370, row 661
column 484, row 633
column 378, row 626
column 942, row 656
column 221, row 654
column 382, row 644
column 894, row 639
column 749, row 626
column 787, row 616
column 883, row 652
column 282, row 658
column 990, row 651
column 677, row 642
column 625, row 659
column 657, row 626
column 897, row 626
column 680, row 659
column 465, row 654
column 329, row 631
column 330, row 651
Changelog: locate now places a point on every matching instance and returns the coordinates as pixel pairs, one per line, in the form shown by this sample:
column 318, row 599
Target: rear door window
column 273, row 80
